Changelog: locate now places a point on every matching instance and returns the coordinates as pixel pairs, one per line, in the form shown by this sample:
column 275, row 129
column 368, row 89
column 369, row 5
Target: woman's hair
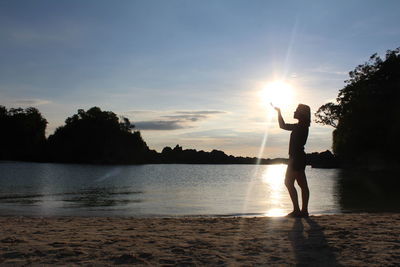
column 304, row 113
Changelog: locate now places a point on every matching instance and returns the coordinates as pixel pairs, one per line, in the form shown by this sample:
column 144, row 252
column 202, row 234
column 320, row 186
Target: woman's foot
column 294, row 214
column 304, row 214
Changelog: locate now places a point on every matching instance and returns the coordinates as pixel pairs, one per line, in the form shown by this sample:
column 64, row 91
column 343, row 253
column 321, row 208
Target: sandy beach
column 329, row 240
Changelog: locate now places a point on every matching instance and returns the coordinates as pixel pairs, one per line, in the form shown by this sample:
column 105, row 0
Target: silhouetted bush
column 322, row 160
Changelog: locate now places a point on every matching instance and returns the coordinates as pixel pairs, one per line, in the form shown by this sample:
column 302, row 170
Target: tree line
column 93, row 136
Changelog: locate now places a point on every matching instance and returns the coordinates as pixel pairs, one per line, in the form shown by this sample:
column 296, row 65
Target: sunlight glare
column 279, row 93
column 274, row 177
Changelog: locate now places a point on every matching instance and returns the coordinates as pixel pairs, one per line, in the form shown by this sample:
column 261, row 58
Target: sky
column 189, row 72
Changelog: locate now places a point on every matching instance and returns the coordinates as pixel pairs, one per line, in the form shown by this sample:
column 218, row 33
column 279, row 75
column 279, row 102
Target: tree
column 366, row 116
column 96, row 136
column 22, row 135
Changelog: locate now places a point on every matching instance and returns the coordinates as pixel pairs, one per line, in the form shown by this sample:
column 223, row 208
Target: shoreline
column 367, row 239
column 179, row 216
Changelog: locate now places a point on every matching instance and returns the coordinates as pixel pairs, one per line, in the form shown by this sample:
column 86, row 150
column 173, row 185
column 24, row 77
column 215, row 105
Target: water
column 174, row 190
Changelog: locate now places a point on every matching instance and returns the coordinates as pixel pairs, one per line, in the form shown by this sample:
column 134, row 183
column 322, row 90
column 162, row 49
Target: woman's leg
column 289, row 182
column 305, row 192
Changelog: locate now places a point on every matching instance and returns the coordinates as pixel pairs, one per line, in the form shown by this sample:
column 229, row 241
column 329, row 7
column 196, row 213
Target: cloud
column 329, row 70
column 176, row 120
column 194, row 115
column 186, row 117
column 201, row 112
column 140, row 111
column 214, row 133
column 31, row 102
column 160, row 125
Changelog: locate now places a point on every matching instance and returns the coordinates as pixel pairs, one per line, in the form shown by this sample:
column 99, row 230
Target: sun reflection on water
column 275, row 213
column 274, row 177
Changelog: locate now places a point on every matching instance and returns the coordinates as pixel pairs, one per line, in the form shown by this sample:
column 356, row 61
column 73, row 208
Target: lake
column 47, row 189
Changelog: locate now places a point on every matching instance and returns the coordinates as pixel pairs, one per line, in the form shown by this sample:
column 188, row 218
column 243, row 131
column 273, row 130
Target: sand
column 330, row 240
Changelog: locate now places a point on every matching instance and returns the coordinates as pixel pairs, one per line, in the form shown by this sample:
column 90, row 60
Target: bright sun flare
column 279, row 93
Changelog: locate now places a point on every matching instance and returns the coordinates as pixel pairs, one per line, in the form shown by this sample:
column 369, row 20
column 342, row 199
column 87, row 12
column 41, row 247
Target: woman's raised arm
column 282, row 124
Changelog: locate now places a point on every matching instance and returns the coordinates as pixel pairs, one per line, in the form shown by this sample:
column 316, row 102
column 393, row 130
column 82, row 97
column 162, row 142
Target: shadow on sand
column 309, row 244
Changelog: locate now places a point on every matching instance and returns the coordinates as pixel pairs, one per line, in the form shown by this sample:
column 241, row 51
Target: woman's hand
column 276, row 108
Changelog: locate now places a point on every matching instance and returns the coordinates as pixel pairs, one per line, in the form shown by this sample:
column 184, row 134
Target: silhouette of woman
column 297, row 158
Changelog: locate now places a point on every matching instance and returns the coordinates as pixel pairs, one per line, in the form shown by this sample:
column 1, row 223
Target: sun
column 279, row 93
